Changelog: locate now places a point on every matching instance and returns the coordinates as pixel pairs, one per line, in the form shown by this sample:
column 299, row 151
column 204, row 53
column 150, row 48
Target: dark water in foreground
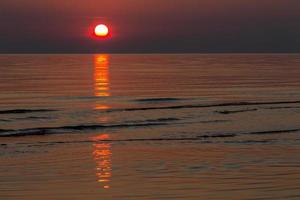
column 187, row 126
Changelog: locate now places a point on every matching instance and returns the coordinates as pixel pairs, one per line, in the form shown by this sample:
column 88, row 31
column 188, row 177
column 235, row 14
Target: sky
column 137, row 26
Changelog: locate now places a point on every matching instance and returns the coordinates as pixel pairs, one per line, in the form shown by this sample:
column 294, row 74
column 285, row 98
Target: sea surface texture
column 185, row 126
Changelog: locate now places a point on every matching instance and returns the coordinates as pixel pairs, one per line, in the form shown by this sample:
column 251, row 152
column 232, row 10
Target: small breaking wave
column 4, row 120
column 226, row 112
column 31, row 118
column 67, row 129
column 23, row 111
column 154, row 120
column 282, row 107
column 250, row 141
column 274, row 132
column 202, row 106
column 154, row 100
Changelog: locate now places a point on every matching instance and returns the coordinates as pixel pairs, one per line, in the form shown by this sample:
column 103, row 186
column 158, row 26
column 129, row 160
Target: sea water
column 150, row 126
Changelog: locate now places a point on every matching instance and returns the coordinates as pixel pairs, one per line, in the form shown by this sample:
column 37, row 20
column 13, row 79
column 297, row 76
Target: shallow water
column 186, row 126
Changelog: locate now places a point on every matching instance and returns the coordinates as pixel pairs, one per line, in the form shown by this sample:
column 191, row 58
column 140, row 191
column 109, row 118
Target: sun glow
column 101, row 30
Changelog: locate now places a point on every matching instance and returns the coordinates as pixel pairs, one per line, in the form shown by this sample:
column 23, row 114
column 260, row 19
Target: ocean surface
column 150, row 126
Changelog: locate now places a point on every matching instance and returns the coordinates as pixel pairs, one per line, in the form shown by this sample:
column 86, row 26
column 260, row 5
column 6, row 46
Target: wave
column 23, row 111
column 154, row 120
column 152, row 100
column 65, row 129
column 143, row 139
column 213, row 121
column 274, row 132
column 4, row 120
column 226, row 112
column 218, row 135
column 132, row 124
column 31, row 118
column 250, row 141
column 203, row 139
column 51, row 143
column 282, row 107
column 202, row 106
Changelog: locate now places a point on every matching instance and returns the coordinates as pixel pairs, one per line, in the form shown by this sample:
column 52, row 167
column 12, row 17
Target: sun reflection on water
column 101, row 75
column 101, row 150
column 102, row 155
column 101, row 83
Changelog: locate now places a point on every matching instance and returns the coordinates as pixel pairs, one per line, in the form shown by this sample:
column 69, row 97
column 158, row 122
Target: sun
column 101, row 30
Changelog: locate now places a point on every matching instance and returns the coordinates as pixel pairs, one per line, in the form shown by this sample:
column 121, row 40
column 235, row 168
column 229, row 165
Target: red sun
column 101, row 30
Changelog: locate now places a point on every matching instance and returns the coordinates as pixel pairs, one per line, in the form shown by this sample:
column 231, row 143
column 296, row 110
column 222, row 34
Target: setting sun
column 101, row 30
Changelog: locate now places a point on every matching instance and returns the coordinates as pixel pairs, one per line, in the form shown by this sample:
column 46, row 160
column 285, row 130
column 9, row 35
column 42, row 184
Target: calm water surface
column 186, row 126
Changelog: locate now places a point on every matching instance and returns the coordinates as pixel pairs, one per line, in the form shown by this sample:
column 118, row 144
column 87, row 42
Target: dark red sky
column 151, row 25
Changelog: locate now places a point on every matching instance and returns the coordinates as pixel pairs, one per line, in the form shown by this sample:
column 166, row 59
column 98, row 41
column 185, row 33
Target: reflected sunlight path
column 102, row 151
column 102, row 156
column 101, row 75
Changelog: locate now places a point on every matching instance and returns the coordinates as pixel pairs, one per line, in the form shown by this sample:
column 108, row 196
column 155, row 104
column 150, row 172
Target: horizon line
column 24, row 53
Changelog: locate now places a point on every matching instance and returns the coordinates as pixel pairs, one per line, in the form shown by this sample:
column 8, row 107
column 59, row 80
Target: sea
column 150, row 126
